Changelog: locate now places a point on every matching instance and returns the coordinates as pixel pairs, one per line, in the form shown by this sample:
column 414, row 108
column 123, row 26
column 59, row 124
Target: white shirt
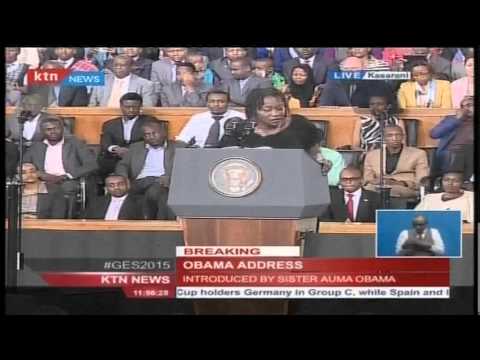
column 154, row 162
column 242, row 83
column 127, row 131
column 356, row 200
column 29, row 127
column 66, row 63
column 124, row 81
column 308, row 61
column 114, row 207
column 438, row 247
column 423, row 94
column 54, row 159
column 199, row 126
column 127, row 128
column 292, row 53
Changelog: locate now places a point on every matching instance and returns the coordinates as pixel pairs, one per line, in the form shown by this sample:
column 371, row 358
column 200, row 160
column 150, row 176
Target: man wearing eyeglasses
column 351, row 203
column 420, row 240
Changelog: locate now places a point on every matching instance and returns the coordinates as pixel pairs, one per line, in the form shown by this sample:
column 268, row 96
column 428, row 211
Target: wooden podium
column 287, row 186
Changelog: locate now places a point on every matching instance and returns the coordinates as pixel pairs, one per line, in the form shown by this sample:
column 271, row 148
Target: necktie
column 114, row 100
column 214, row 132
column 350, row 207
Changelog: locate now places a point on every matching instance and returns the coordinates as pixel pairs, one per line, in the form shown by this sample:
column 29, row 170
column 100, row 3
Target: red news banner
column 271, row 272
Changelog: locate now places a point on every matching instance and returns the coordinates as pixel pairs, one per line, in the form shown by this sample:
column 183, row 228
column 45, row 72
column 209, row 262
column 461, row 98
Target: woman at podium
column 274, row 126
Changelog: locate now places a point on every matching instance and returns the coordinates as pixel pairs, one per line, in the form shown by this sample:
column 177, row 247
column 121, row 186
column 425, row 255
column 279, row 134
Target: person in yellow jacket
column 423, row 90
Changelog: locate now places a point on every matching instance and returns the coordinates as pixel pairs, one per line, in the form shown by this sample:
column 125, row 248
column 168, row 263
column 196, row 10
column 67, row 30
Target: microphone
column 191, row 143
column 24, row 116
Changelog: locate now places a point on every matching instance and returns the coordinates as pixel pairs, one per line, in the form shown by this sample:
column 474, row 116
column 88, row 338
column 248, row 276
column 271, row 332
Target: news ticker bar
column 252, row 272
column 313, row 292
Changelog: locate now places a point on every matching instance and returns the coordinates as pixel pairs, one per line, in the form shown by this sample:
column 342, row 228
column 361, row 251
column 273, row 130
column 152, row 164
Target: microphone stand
column 381, row 188
column 15, row 196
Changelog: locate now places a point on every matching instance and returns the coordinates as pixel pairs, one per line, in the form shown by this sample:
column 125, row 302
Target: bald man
column 420, row 240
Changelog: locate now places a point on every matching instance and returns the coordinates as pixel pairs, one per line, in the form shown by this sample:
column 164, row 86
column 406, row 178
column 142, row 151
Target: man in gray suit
column 164, row 70
column 148, row 164
column 60, row 160
column 221, row 66
column 122, row 82
column 187, row 91
column 243, row 82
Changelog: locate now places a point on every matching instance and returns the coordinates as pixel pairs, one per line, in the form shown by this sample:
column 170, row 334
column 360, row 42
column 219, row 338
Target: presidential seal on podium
column 235, row 177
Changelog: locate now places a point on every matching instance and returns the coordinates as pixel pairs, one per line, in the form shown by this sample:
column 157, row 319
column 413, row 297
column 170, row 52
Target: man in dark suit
column 120, row 132
column 215, row 53
column 351, row 203
column 354, row 93
column 309, row 56
column 118, row 204
column 148, row 164
column 60, row 160
column 187, row 91
column 243, row 82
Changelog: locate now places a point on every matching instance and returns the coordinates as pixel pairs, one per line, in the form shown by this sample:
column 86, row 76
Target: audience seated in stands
column 423, row 90
column 214, row 53
column 37, row 201
column 452, row 197
column 119, row 133
column 203, row 72
column 316, row 62
column 141, row 66
column 61, row 161
column 275, row 127
column 455, row 134
column 164, row 70
column 148, row 164
column 353, row 92
column 15, row 72
column 263, row 68
column 118, row 203
column 369, row 62
column 442, row 68
column 366, row 133
column 121, row 82
column 351, row 202
column 404, row 166
column 301, row 91
column 207, row 128
column 464, row 86
column 70, row 59
column 457, row 57
column 186, row 91
column 243, row 82
column 60, row 95
column 33, row 105
column 221, row 66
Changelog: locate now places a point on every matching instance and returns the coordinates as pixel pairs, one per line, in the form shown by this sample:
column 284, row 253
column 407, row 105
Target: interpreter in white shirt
column 196, row 131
